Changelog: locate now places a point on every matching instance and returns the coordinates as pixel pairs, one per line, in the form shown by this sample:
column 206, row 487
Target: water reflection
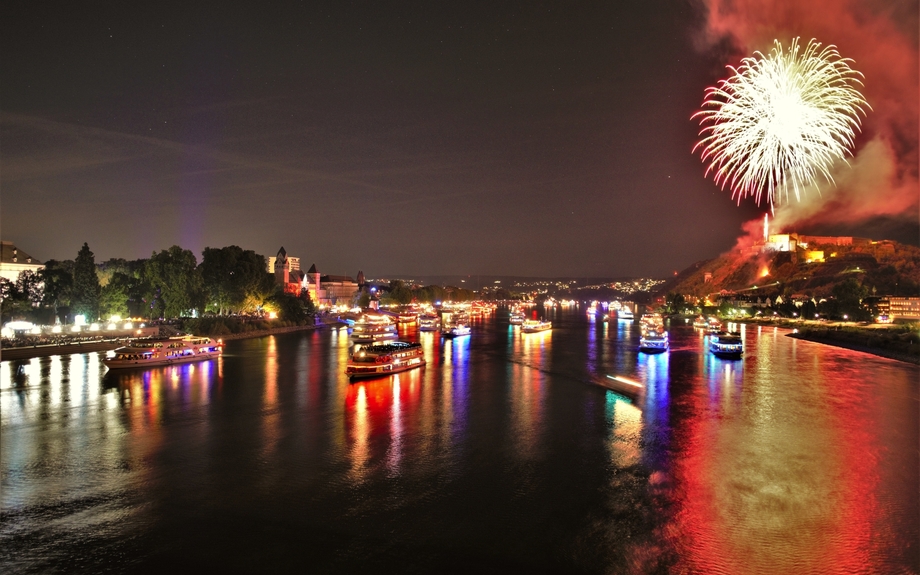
column 379, row 414
column 797, row 458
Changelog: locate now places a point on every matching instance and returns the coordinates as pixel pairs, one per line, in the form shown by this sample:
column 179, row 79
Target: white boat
column 384, row 359
column 163, row 351
column 517, row 317
column 713, row 325
column 700, row 323
column 455, row 330
column 726, row 345
column 373, row 328
column 624, row 313
column 654, row 342
column 429, row 322
column 534, row 326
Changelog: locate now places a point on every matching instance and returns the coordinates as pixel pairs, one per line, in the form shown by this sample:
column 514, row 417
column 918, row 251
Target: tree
column 235, row 280
column 176, row 282
column 85, row 298
column 290, row 308
column 115, row 295
column 29, row 285
column 398, row 293
column 58, row 288
column 675, row 303
column 849, row 295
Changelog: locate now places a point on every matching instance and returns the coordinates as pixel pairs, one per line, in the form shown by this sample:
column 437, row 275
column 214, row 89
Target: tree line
column 169, row 284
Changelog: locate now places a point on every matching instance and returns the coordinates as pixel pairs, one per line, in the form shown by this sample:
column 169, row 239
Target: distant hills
column 884, row 267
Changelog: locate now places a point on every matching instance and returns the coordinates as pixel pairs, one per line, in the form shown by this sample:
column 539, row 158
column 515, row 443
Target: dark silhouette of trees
column 235, row 280
column 175, row 282
column 85, row 294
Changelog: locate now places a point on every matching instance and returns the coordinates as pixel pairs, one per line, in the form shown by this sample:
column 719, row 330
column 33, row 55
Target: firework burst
column 781, row 121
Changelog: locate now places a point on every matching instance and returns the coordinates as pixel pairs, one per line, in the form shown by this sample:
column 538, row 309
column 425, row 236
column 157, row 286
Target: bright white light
column 79, row 320
column 75, row 329
column 115, row 319
column 780, row 121
column 94, row 327
column 111, row 326
column 128, row 325
column 19, row 325
column 6, row 332
column 56, row 329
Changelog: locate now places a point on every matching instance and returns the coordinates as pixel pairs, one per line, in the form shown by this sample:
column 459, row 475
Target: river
column 506, row 453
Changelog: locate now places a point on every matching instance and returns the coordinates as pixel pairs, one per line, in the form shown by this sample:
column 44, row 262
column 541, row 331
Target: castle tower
column 314, row 274
column 360, row 279
column 282, row 268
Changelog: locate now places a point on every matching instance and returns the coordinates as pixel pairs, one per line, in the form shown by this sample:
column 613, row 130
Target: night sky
column 398, row 138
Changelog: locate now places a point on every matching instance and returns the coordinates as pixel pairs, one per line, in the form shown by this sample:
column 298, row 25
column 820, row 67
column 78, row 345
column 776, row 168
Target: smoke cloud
column 881, row 37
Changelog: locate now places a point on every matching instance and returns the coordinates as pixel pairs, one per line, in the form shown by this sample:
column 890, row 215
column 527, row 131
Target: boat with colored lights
column 517, row 317
column 713, row 325
column 726, row 345
column 373, row 328
column 654, row 342
column 429, row 322
column 456, row 330
column 381, row 359
column 163, row 351
column 535, row 325
column 700, row 323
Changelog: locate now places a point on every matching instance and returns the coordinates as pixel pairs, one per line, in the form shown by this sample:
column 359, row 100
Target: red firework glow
column 882, row 178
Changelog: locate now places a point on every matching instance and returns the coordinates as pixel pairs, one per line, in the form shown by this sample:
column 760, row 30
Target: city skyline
column 421, row 140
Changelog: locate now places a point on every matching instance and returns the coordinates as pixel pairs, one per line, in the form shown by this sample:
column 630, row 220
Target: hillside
column 884, row 267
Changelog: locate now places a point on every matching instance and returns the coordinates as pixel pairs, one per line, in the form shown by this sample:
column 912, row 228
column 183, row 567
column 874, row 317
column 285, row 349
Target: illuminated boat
column 373, row 328
column 407, row 317
column 624, row 313
column 713, row 325
column 700, row 323
column 726, row 345
column 517, row 317
column 163, row 351
column 534, row 326
column 380, row 359
column 654, row 342
column 455, row 330
column 429, row 322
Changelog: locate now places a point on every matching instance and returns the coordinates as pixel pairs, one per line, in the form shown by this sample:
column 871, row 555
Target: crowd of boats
column 377, row 349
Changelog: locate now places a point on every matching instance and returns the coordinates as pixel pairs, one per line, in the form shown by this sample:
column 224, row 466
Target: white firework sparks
column 780, row 121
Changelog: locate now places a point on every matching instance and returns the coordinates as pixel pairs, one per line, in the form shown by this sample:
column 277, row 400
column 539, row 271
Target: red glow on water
column 766, row 467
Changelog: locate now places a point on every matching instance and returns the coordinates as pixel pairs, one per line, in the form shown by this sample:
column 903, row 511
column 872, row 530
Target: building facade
column 324, row 290
column 13, row 261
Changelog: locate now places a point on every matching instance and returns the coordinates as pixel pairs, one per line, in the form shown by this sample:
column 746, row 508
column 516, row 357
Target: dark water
column 505, row 454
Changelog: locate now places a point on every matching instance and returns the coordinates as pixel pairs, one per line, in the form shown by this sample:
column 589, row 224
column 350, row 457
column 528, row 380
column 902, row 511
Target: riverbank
column 898, row 342
column 21, row 353
column 887, row 346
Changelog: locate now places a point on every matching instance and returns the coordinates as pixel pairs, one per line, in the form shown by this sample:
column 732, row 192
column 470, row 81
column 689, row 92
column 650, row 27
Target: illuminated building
column 323, row 289
column 13, row 261
column 900, row 307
